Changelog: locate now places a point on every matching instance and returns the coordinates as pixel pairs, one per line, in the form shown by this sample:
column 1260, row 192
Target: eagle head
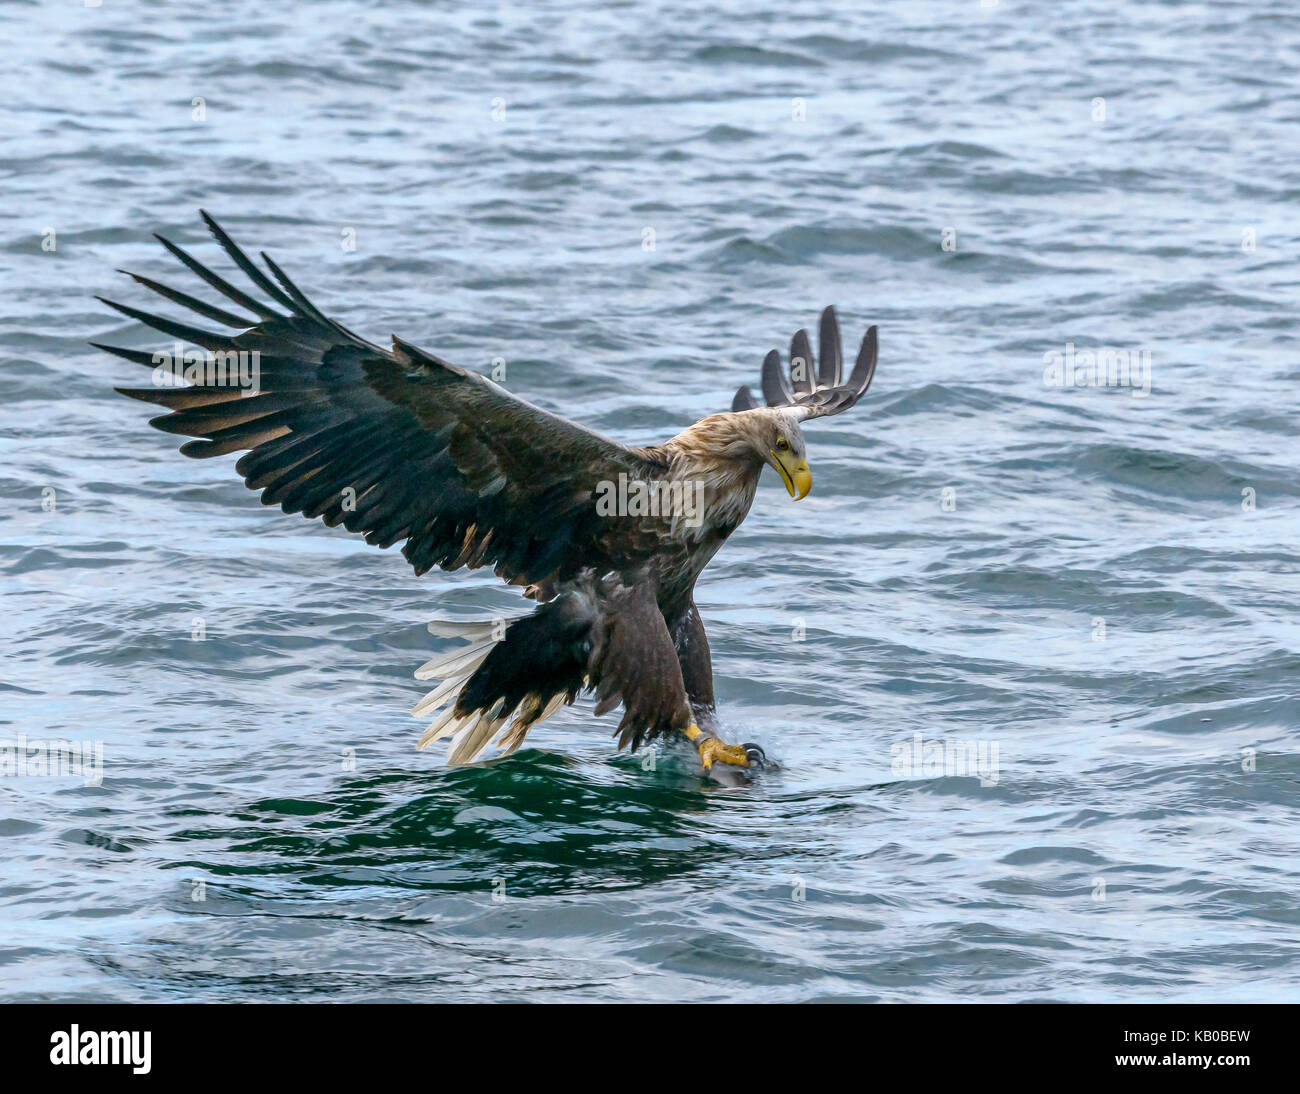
column 780, row 443
column 751, row 438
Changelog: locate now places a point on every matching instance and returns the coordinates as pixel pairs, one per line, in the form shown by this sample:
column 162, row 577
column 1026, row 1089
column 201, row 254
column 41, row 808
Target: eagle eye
column 782, row 443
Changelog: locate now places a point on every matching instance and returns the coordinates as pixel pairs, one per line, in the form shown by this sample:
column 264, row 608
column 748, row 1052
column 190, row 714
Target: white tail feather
column 471, row 732
column 514, row 736
column 445, row 723
column 472, row 630
column 460, row 662
column 557, row 701
column 439, row 695
column 474, row 737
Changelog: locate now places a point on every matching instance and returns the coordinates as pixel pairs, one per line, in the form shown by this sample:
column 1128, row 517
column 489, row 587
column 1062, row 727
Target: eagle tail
column 506, row 679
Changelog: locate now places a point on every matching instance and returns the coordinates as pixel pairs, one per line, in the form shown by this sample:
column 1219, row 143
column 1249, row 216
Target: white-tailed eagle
column 401, row 446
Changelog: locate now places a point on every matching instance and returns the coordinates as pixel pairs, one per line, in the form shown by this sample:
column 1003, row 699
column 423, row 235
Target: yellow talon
column 712, row 750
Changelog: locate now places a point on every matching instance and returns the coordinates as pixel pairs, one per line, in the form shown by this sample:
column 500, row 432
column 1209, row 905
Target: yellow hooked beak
column 795, row 474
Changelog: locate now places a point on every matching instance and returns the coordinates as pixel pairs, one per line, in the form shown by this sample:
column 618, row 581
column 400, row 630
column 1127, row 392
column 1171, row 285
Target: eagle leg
column 692, row 645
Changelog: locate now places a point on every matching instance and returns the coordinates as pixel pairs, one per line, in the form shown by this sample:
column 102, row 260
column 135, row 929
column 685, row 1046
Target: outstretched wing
column 816, row 387
column 397, row 445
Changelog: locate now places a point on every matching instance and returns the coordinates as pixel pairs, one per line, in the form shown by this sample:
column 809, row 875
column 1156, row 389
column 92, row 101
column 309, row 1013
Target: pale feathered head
column 751, row 438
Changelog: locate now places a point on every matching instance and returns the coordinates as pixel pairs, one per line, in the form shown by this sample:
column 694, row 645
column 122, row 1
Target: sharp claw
column 757, row 757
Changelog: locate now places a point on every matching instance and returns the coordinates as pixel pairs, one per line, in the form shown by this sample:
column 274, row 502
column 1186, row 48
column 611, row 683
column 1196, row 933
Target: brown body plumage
column 402, row 446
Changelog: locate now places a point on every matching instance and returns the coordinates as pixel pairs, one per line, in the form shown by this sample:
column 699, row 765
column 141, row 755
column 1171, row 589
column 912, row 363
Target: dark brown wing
column 397, row 445
column 815, row 387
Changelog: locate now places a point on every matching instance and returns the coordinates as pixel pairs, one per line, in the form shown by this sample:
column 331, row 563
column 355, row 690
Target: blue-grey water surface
column 630, row 204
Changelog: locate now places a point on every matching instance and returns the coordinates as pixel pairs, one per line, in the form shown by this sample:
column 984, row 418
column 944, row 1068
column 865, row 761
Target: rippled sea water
column 1099, row 583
